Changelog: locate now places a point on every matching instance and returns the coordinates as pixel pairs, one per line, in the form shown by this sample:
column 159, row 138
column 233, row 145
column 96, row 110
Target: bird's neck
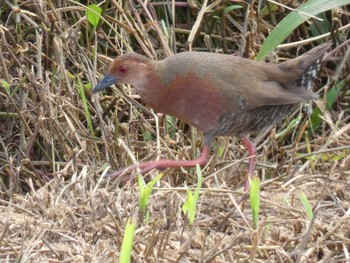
column 150, row 86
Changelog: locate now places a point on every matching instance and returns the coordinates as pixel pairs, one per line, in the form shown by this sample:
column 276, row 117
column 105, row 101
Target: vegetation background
column 57, row 140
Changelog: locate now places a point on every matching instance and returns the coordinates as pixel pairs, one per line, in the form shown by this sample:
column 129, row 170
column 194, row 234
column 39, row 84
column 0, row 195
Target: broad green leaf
column 93, row 13
column 293, row 20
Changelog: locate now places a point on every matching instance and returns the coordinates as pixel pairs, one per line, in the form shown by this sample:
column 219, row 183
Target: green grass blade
column 86, row 107
column 306, row 204
column 231, row 8
column 293, row 20
column 199, row 184
column 289, row 128
column 128, row 240
column 255, row 199
column 189, row 207
column 145, row 192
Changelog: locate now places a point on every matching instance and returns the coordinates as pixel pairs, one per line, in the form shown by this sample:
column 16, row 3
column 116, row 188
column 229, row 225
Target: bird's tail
column 311, row 62
column 307, row 65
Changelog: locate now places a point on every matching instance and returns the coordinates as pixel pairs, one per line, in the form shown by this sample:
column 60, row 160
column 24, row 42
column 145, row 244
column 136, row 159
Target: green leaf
column 293, row 20
column 86, row 108
column 147, row 217
column 171, row 125
column 6, row 85
column 320, row 27
column 269, row 7
column 307, row 206
column 199, row 184
column 141, row 184
column 232, row 7
column 189, row 207
column 255, row 199
column 220, row 151
column 93, row 14
column 88, row 86
column 147, row 135
column 128, row 239
column 327, row 157
column 289, row 128
column 145, row 192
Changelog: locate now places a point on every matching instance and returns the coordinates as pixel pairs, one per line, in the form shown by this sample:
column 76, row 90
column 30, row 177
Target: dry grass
column 55, row 204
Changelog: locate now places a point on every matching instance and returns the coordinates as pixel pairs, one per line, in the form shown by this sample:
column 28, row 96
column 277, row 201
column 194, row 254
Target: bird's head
column 130, row 68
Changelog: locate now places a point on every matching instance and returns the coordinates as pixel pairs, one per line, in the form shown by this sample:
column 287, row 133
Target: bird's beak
column 107, row 81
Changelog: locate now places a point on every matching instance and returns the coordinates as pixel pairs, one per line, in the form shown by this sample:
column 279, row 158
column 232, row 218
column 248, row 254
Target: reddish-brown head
column 127, row 69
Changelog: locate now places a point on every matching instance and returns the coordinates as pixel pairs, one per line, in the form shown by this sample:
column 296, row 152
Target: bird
column 220, row 94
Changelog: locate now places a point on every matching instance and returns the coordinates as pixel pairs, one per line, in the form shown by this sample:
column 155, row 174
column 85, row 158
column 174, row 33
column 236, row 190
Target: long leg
column 163, row 164
column 252, row 159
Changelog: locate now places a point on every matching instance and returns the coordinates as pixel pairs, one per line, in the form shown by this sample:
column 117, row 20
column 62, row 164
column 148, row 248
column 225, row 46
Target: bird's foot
column 129, row 173
column 143, row 168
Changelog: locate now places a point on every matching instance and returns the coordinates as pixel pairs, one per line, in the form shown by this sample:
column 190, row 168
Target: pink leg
column 252, row 158
column 251, row 154
column 163, row 164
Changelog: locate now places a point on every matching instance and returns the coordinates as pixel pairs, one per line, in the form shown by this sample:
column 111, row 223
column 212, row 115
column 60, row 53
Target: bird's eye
column 123, row 69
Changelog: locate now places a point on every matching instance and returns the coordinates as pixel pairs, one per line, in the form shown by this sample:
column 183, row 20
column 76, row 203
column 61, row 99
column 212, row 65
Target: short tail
column 311, row 62
column 307, row 65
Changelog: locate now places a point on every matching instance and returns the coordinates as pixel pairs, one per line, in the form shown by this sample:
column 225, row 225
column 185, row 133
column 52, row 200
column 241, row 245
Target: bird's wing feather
column 273, row 93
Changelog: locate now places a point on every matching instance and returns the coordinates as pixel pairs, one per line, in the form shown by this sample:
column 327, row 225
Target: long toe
column 129, row 173
column 123, row 172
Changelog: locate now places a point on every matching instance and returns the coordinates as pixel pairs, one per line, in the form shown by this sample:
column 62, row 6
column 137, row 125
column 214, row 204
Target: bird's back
column 304, row 68
column 224, row 95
